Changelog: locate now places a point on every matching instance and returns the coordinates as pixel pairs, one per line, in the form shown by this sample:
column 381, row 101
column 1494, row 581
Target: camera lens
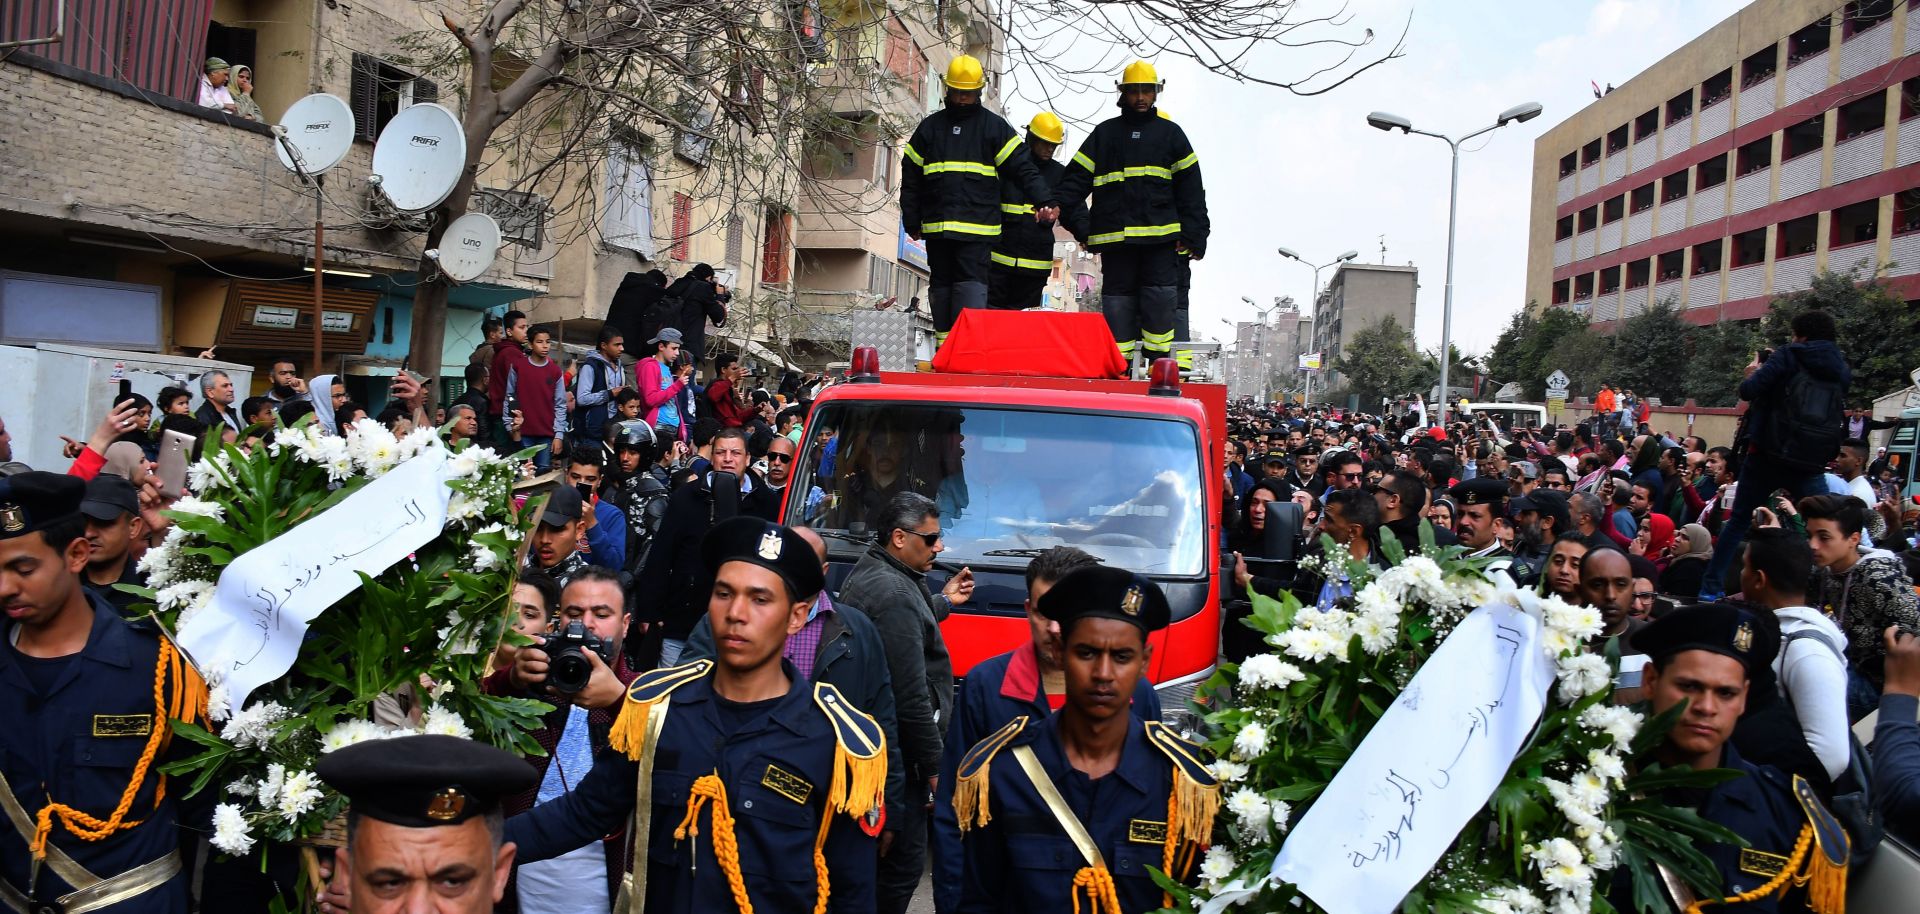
column 569, row 671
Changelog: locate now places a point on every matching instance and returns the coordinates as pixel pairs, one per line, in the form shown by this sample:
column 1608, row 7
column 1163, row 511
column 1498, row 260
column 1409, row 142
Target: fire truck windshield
column 1009, row 481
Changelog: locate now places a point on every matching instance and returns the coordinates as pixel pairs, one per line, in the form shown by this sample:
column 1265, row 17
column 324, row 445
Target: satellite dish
column 468, row 246
column 320, row 130
column 419, row 157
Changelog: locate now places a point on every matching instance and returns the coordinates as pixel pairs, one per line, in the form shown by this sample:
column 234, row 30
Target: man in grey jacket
column 890, row 584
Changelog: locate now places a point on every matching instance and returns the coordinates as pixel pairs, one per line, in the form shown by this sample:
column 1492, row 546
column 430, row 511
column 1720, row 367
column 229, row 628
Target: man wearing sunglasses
column 1343, row 470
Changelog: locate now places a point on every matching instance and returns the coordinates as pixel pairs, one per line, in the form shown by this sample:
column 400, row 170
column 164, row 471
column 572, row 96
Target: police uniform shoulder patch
column 1828, row 834
column 1186, row 756
column 1761, row 863
column 654, row 685
column 973, row 779
column 630, row 732
column 856, row 730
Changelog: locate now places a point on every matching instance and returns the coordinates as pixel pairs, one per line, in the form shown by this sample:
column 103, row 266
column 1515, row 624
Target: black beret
column 1726, row 629
column 1105, row 592
column 759, row 542
column 34, row 500
column 1480, row 490
column 424, row 781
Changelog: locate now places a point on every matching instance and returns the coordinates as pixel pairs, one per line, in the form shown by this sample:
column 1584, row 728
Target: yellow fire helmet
column 1141, row 73
column 965, row 74
column 1046, row 125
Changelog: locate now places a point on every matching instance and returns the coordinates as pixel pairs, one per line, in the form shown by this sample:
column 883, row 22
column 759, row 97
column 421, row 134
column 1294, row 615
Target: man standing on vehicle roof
column 1149, row 208
column 1023, row 255
column 950, row 191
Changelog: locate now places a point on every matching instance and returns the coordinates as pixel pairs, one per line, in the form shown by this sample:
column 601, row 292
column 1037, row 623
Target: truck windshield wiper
column 1016, row 553
column 845, row 537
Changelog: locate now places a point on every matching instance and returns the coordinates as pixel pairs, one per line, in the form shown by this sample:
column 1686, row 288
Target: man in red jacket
column 508, row 353
column 722, row 394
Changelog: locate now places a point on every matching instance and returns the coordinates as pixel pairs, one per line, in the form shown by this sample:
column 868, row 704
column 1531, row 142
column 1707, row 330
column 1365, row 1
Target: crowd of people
column 729, row 732
column 1796, row 528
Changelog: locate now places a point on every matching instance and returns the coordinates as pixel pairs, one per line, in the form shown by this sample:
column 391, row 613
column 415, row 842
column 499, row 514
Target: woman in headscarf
column 320, row 394
column 1655, row 539
column 242, row 91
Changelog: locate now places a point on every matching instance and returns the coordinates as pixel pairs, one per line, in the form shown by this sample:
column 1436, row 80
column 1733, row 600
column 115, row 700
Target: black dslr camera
column 568, row 668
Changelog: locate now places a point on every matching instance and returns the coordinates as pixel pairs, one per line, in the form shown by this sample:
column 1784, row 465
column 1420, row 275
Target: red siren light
column 1163, row 378
column 866, row 366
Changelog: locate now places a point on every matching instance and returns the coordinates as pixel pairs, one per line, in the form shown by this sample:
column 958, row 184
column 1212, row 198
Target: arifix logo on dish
column 319, row 126
column 425, row 140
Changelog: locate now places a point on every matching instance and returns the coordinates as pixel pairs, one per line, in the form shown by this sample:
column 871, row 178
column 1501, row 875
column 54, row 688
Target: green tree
column 1878, row 333
column 1720, row 355
column 1524, row 350
column 1587, row 358
column 1380, row 361
column 1647, row 349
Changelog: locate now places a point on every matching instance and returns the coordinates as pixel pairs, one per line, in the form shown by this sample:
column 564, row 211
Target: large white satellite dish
column 419, row 157
column 468, row 246
column 319, row 128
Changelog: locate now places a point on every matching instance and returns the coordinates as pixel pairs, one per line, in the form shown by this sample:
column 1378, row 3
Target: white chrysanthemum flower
column 187, row 504
column 1228, row 771
column 1471, row 591
column 182, row 595
column 1562, row 866
column 1573, row 807
column 1558, row 642
column 1622, row 724
column 1281, row 813
column 210, row 473
column 1251, row 741
column 1609, row 766
column 1218, row 864
column 467, row 463
column 269, row 790
column 442, row 721
column 348, row 732
column 1311, row 645
column 231, row 834
column 1577, row 621
column 1374, row 600
column 1424, row 581
column 1573, row 902
column 253, row 726
column 1251, row 811
column 157, row 564
column 1581, row 675
column 465, row 643
column 1518, row 899
column 373, row 448
column 298, row 795
column 202, row 598
column 218, row 701
column 240, row 788
column 1377, row 633
column 1268, row 671
column 418, row 440
column 481, row 556
column 461, row 508
column 1590, row 789
column 1601, row 852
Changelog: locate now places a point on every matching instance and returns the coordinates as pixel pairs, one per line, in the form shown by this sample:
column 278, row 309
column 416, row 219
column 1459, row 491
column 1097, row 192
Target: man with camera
column 581, row 670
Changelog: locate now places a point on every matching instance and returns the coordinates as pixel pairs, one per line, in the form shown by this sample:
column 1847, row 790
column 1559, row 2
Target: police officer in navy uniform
column 86, row 732
column 1027, row 680
column 755, row 787
column 424, row 824
column 1076, row 805
column 1709, row 656
column 1482, row 500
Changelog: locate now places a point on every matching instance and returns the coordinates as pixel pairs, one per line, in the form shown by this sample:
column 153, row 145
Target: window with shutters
column 736, row 240
column 381, row 90
column 628, row 219
column 682, row 248
column 773, row 255
column 879, row 276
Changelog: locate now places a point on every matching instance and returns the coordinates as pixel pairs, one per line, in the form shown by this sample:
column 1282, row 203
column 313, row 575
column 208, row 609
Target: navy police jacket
column 997, row 690
column 78, row 744
column 1022, row 860
column 776, row 771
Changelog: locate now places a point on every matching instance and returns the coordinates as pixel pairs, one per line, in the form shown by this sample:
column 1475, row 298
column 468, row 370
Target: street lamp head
column 1523, row 112
column 1248, row 300
column 1380, row 120
column 1343, row 258
column 1290, row 253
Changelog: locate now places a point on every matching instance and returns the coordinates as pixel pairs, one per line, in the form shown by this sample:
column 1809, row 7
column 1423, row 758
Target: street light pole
column 1291, row 254
column 1382, row 121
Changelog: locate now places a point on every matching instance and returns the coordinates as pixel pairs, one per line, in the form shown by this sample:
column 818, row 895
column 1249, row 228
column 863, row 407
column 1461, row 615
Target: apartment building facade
column 1781, row 142
column 133, row 218
column 1265, row 358
column 1358, row 296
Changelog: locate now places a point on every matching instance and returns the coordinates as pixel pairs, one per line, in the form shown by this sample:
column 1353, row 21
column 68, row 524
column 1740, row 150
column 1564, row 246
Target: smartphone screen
column 126, row 392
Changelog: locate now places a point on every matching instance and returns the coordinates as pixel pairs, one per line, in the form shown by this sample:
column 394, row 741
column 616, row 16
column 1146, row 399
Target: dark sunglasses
column 783, row 458
column 928, row 538
column 1350, row 475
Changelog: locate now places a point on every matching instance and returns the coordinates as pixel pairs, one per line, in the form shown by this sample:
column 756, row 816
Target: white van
column 1508, row 415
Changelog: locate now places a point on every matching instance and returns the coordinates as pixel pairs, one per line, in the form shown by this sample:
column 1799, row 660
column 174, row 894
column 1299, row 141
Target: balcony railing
column 1756, row 101
column 1867, row 49
column 1791, row 274
column 1806, row 77
column 1750, row 191
column 1860, row 156
column 1677, row 138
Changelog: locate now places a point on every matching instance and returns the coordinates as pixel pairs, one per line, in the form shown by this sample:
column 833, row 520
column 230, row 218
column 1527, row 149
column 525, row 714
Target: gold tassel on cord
column 629, row 733
column 970, row 800
column 859, row 785
column 1826, row 881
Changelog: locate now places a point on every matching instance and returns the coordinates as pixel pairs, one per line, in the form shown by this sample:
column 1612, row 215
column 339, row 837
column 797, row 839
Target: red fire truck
column 1126, row 470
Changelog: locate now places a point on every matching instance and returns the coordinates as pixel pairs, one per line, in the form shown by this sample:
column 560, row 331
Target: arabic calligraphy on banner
column 251, row 633
column 1424, row 770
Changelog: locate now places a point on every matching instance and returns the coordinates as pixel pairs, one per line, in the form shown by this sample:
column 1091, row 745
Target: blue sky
column 1309, row 174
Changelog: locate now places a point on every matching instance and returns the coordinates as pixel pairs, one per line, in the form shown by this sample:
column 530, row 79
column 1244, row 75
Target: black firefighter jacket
column 1145, row 181
column 950, row 180
column 1023, row 242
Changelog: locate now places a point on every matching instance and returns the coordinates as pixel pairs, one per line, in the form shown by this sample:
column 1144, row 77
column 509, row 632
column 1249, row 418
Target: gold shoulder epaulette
column 859, row 760
column 1196, row 792
column 630, row 729
column 971, row 781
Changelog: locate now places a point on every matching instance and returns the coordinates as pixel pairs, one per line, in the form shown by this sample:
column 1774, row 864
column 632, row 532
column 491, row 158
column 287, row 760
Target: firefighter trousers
column 1139, row 294
column 1017, row 288
column 957, row 278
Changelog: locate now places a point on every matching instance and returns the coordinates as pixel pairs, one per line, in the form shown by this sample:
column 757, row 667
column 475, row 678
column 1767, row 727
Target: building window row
column 1807, row 43
column 1854, row 224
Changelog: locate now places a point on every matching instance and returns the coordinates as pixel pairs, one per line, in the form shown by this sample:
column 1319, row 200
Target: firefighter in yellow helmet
column 1149, row 207
column 1023, row 255
column 950, row 191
